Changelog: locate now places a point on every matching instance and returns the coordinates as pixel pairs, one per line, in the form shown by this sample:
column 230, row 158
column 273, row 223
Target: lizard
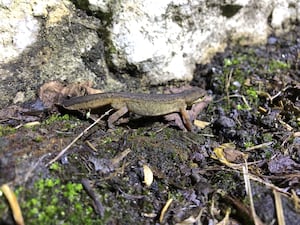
column 139, row 103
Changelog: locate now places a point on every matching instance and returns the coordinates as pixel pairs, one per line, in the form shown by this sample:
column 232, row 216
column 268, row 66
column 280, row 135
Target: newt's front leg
column 186, row 118
column 117, row 115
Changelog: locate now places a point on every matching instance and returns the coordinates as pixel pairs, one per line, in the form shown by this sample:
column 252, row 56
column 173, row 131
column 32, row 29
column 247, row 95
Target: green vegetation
column 55, row 167
column 38, row 138
column 6, row 130
column 243, row 107
column 252, row 93
column 248, row 144
column 56, row 117
column 52, row 202
column 66, row 121
column 226, row 180
column 237, row 72
column 268, row 154
column 275, row 65
column 267, row 137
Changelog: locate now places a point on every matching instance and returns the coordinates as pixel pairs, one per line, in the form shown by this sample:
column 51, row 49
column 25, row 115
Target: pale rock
column 166, row 39
column 19, row 26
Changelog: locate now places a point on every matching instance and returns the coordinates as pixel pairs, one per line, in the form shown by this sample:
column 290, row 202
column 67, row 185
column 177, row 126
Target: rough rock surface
column 92, row 40
column 165, row 39
column 44, row 41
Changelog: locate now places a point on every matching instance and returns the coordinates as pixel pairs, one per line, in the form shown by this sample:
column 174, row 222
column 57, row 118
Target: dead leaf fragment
column 296, row 201
column 54, row 91
column 148, row 175
column 192, row 219
column 201, row 124
column 164, row 210
column 228, row 155
column 31, row 124
column 13, row 202
column 279, row 208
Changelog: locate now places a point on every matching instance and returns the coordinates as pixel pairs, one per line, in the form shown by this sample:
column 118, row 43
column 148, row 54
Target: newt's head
column 193, row 95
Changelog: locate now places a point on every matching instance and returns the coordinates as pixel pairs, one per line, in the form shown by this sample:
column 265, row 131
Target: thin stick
column 99, row 208
column 259, row 146
column 30, row 172
column 256, row 219
column 279, row 208
column 227, row 85
column 77, row 138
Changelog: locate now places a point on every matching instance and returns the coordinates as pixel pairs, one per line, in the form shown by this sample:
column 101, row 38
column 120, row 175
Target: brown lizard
column 142, row 104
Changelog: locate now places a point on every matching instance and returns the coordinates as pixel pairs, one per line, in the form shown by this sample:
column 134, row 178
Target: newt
column 139, row 103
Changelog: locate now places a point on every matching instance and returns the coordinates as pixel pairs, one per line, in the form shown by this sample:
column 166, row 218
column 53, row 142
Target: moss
column 226, row 181
column 38, row 139
column 252, row 96
column 55, row 167
column 275, row 65
column 52, row 202
column 241, row 67
column 248, row 144
column 267, row 137
column 243, row 107
column 6, row 130
column 56, row 117
column 268, row 154
column 252, row 93
column 107, row 140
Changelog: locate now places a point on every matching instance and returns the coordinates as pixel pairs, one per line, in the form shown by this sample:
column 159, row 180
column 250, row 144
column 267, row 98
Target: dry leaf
column 296, row 201
column 54, row 91
column 13, row 202
column 226, row 154
column 148, row 175
column 164, row 210
column 201, row 124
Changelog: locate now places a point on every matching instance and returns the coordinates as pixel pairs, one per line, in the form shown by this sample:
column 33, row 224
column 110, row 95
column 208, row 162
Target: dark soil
column 256, row 109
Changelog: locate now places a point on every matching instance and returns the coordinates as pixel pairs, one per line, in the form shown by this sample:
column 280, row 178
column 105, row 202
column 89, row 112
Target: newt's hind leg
column 186, row 119
column 117, row 115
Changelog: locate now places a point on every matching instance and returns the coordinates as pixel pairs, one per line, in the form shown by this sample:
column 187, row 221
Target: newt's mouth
column 199, row 100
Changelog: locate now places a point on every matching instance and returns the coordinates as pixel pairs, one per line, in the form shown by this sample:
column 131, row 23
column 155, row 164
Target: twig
column 256, row 219
column 30, row 172
column 235, row 96
column 279, row 208
column 77, row 138
column 98, row 206
column 227, row 85
column 259, row 146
